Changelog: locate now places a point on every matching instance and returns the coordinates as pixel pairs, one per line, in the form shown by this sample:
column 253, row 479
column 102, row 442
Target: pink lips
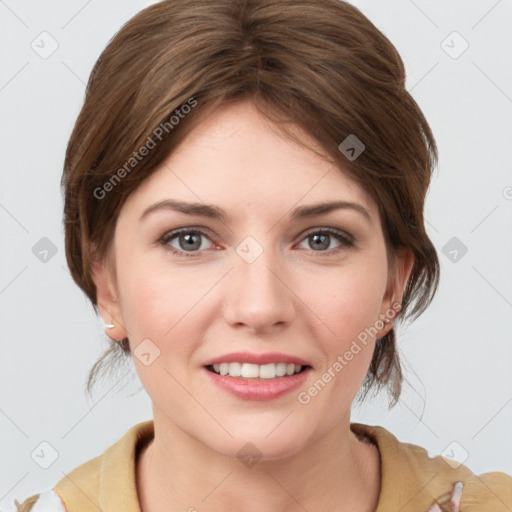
column 258, row 389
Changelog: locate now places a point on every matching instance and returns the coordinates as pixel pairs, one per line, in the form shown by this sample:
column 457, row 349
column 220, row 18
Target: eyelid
column 334, row 231
column 173, row 233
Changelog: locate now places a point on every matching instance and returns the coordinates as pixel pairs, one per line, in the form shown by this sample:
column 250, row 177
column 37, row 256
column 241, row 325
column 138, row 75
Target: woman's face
column 259, row 280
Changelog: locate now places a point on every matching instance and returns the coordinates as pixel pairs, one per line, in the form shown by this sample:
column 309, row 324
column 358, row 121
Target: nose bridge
column 258, row 295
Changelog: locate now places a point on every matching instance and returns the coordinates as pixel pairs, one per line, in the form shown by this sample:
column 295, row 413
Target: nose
column 258, row 295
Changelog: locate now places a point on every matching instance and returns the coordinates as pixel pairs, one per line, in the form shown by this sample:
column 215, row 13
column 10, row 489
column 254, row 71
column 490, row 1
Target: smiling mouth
column 255, row 371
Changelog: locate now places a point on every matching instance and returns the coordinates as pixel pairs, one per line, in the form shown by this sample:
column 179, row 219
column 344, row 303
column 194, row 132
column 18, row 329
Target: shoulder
column 493, row 489
column 97, row 480
column 429, row 481
column 453, row 481
column 453, row 485
column 46, row 501
column 82, row 488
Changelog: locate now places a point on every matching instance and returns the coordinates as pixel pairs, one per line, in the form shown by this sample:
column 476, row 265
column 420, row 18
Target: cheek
column 349, row 312
column 350, row 301
column 164, row 303
column 349, row 308
column 155, row 304
column 162, row 306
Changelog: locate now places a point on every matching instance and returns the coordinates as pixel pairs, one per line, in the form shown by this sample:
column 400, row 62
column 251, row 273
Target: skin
column 294, row 298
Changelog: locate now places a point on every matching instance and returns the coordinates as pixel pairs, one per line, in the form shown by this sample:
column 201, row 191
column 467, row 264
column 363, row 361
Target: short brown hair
column 321, row 65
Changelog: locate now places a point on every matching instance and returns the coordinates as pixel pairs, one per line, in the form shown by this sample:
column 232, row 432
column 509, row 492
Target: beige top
column 411, row 480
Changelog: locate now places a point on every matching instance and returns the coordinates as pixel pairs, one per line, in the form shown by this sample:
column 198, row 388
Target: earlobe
column 108, row 305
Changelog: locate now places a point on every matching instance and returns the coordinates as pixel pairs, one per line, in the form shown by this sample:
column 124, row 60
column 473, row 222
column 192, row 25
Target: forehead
column 237, row 158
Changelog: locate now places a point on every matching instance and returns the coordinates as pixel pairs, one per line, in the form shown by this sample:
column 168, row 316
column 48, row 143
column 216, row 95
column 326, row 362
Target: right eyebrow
column 200, row 209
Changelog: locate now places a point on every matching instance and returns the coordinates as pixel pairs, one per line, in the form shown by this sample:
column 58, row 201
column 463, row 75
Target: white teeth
column 281, row 369
column 250, row 370
column 267, row 371
column 254, row 371
column 235, row 369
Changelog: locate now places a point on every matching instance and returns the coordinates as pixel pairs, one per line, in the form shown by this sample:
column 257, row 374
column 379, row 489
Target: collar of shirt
column 411, row 481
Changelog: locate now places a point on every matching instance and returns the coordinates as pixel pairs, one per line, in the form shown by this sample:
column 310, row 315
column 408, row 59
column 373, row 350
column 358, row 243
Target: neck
column 337, row 472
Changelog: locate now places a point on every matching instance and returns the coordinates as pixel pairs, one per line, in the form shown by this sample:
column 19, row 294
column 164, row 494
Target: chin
column 250, row 445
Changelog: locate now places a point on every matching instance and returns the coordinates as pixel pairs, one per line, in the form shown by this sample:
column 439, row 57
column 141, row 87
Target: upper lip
column 259, row 359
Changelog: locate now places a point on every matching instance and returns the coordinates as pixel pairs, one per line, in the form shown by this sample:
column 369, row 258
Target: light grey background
column 458, row 355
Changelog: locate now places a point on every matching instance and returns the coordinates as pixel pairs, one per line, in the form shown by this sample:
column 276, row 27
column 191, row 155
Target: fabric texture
column 411, row 481
column 47, row 501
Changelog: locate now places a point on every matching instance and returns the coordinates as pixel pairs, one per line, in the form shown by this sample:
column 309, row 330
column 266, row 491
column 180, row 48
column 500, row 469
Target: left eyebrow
column 314, row 210
column 214, row 212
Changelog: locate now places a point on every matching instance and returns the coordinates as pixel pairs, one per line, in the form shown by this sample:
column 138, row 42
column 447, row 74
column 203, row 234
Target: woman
column 244, row 192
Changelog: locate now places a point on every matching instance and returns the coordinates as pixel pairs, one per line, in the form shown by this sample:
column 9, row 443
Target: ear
column 106, row 295
column 397, row 281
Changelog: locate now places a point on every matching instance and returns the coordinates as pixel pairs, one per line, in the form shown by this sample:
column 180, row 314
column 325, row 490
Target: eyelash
column 347, row 241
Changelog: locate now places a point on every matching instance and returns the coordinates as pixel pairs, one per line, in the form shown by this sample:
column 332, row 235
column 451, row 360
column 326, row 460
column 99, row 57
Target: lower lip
column 259, row 389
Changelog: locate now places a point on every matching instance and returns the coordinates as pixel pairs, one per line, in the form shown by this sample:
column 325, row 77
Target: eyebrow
column 214, row 212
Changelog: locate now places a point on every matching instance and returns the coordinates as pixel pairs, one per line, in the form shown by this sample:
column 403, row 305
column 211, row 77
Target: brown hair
column 321, row 65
